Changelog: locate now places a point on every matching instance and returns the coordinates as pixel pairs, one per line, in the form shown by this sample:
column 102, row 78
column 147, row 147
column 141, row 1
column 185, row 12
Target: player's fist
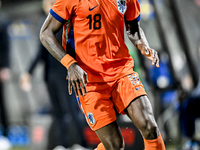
column 149, row 53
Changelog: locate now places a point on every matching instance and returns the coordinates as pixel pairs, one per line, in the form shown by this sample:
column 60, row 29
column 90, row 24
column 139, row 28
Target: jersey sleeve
column 133, row 10
column 63, row 9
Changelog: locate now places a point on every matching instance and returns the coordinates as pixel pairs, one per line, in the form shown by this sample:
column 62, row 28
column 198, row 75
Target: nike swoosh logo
column 90, row 9
column 137, row 88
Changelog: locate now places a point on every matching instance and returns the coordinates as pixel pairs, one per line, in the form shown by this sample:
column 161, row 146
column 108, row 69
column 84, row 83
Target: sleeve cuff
column 138, row 18
column 57, row 17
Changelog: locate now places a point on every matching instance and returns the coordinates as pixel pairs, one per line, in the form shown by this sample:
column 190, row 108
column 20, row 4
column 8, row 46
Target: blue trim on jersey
column 71, row 39
column 56, row 16
column 138, row 18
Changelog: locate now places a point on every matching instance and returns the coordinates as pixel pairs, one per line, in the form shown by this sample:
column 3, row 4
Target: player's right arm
column 48, row 38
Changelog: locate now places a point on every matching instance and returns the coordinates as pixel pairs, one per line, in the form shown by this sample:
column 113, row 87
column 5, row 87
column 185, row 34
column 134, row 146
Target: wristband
column 67, row 60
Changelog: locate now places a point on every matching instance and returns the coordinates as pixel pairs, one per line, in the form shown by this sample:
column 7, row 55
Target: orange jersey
column 99, row 35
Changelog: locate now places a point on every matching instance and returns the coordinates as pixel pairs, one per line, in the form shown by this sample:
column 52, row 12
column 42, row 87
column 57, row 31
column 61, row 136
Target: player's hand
column 149, row 53
column 77, row 79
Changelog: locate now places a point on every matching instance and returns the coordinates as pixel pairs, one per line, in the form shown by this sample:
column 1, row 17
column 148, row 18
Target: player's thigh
column 141, row 113
column 110, row 135
column 127, row 88
column 97, row 106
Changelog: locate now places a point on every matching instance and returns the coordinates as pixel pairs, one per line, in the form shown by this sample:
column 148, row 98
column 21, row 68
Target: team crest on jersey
column 121, row 5
column 91, row 118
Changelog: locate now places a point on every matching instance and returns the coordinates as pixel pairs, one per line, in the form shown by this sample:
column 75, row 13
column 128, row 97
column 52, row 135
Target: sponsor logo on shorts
column 137, row 88
column 91, row 118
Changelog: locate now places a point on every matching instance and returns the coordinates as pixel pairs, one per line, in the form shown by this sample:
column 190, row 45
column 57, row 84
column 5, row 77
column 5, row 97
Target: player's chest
column 110, row 9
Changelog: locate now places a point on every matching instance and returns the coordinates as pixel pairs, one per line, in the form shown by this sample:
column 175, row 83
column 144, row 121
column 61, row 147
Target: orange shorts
column 98, row 105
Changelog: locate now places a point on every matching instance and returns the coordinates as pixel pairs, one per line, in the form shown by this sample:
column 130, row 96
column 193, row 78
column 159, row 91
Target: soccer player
column 102, row 73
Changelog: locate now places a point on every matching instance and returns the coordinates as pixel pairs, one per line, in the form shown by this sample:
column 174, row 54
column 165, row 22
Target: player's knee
column 150, row 131
column 116, row 144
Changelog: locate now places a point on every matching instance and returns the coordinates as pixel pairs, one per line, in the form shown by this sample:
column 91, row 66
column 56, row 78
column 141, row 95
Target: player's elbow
column 42, row 35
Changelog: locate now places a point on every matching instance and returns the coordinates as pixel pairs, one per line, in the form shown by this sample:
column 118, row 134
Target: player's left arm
column 138, row 38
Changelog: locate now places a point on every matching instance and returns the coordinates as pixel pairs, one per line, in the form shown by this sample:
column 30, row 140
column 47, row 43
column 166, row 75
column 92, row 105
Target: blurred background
column 27, row 120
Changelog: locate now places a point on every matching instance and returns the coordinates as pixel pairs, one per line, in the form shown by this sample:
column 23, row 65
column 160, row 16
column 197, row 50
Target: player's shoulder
column 68, row 2
column 133, row 1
